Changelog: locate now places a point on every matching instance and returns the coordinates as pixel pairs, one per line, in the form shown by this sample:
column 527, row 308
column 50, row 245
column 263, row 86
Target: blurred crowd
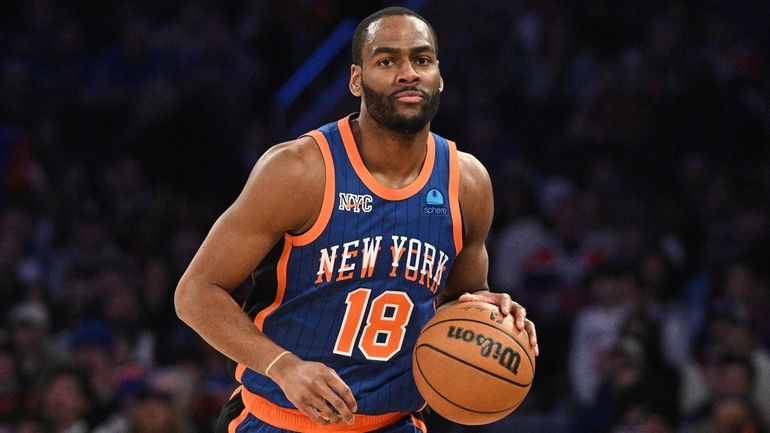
column 628, row 143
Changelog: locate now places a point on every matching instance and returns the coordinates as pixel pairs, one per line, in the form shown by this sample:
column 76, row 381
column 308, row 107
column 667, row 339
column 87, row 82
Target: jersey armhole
column 454, row 197
column 328, row 201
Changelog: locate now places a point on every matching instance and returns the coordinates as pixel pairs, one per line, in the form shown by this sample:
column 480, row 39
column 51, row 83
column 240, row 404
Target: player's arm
column 283, row 194
column 467, row 279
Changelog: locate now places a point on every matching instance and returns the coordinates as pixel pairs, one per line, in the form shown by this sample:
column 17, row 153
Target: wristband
column 280, row 355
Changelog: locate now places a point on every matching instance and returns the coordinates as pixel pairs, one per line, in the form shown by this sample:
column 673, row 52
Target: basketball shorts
column 233, row 419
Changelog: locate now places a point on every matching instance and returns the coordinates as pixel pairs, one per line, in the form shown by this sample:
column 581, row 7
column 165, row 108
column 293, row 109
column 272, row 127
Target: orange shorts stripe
column 237, row 421
column 293, row 419
column 236, row 391
column 419, row 424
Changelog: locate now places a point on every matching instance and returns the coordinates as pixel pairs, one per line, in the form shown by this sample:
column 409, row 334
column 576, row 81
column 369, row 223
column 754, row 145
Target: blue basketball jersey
column 356, row 289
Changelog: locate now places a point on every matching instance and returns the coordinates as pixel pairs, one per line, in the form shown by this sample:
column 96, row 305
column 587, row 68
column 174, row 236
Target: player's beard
column 383, row 109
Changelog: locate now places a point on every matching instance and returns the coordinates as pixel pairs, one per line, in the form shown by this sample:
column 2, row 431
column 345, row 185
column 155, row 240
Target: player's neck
column 395, row 159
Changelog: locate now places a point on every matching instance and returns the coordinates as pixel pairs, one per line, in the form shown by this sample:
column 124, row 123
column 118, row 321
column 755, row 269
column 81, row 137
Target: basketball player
column 381, row 221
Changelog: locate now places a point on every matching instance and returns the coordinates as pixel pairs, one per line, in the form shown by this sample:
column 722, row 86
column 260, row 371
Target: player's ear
column 440, row 85
column 355, row 80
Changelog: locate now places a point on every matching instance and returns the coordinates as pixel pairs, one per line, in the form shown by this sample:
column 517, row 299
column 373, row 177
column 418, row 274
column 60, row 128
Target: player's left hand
column 507, row 306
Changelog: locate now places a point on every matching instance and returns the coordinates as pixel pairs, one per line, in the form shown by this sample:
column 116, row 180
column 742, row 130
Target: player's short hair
column 359, row 37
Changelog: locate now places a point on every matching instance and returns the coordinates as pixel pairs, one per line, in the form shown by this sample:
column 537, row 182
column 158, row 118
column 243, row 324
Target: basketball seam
column 521, row 385
column 458, row 405
column 532, row 364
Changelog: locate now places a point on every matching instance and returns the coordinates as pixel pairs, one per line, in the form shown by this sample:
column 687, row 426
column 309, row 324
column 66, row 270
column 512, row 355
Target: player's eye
column 422, row 61
column 385, row 62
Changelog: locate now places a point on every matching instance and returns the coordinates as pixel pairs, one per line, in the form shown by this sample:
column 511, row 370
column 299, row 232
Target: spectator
column 33, row 349
column 67, row 402
column 732, row 364
column 144, row 409
column 731, row 414
column 15, row 399
column 29, row 424
column 613, row 295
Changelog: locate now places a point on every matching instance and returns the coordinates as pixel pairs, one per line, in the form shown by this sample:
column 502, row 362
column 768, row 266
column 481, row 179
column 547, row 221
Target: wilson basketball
column 471, row 365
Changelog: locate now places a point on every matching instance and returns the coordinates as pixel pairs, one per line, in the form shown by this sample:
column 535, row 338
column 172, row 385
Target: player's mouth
column 410, row 96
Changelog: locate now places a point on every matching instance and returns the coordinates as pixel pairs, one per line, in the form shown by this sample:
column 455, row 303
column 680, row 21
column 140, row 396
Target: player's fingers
column 502, row 300
column 520, row 314
column 343, row 412
column 469, row 297
column 319, row 402
column 505, row 303
column 311, row 411
column 338, row 386
column 530, row 328
column 329, row 413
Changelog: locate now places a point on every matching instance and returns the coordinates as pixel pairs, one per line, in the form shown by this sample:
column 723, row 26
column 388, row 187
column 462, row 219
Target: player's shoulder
column 293, row 157
column 293, row 168
column 472, row 171
column 475, row 196
column 296, row 165
column 290, row 177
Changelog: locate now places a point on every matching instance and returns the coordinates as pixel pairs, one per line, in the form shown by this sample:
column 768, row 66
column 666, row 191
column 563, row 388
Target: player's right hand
column 315, row 389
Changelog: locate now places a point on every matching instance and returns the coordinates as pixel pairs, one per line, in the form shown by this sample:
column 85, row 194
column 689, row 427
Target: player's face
column 400, row 79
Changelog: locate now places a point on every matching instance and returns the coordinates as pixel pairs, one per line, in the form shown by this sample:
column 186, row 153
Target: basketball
column 471, row 365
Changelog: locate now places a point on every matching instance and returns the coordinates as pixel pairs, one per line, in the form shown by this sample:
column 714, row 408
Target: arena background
column 628, row 142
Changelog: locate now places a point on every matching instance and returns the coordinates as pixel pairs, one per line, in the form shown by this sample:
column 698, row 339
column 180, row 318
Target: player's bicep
column 231, row 251
column 468, row 273
column 279, row 197
column 470, row 269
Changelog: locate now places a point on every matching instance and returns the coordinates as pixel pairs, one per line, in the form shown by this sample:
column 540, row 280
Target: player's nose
column 407, row 73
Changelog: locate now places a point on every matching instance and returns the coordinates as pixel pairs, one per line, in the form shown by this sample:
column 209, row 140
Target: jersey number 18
column 385, row 327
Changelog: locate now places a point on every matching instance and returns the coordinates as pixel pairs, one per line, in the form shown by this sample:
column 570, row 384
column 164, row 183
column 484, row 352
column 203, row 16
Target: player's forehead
column 397, row 31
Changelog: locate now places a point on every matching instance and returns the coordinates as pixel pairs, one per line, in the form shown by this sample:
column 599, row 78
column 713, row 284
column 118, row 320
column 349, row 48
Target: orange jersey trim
column 369, row 180
column 328, row 202
column 295, row 420
column 259, row 320
column 239, row 370
column 454, row 197
column 281, row 271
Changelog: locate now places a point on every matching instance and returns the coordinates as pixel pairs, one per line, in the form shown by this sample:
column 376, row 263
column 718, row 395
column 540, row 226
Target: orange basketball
column 472, row 365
